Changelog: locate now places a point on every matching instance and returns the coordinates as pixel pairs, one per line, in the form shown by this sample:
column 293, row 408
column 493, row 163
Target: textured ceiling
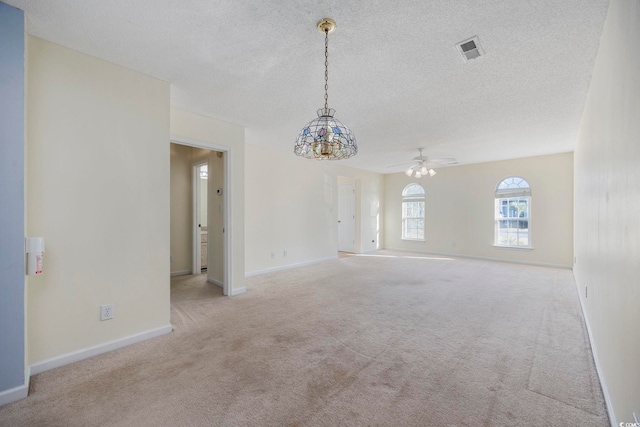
column 395, row 76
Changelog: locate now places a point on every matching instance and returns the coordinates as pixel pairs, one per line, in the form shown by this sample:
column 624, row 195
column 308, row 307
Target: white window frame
column 509, row 189
column 412, row 198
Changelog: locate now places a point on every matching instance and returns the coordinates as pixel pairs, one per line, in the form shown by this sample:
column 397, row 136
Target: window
column 513, row 213
column 413, row 212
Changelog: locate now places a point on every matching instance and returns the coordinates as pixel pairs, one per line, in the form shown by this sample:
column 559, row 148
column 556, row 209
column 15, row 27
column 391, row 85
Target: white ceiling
column 395, row 76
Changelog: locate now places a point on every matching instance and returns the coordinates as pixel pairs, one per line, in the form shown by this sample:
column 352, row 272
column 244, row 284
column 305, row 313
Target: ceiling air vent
column 470, row 48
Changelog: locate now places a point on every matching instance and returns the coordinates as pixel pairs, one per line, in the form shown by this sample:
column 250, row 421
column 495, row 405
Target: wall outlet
column 106, row 311
column 284, row 253
column 273, row 254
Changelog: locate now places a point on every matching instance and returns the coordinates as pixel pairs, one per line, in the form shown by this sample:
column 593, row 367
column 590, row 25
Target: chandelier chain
column 326, row 69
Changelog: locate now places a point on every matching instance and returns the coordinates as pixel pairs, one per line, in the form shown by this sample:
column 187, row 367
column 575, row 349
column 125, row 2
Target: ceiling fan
column 423, row 165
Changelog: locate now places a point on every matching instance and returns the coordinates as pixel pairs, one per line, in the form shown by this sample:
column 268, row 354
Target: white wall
column 291, row 205
column 191, row 128
column 607, row 209
column 98, row 191
column 459, row 210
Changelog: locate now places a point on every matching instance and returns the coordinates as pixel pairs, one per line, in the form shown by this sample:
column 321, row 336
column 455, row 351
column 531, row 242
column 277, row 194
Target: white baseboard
column 369, row 251
column 216, row 282
column 16, row 393
column 238, row 291
column 85, row 353
column 180, row 273
column 603, row 384
column 482, row 258
column 221, row 285
column 289, row 266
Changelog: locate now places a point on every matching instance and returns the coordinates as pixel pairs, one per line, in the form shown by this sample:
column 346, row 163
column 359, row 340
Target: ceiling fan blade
column 444, row 161
column 401, row 164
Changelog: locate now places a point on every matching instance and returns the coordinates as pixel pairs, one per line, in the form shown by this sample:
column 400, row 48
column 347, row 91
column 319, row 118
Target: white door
column 347, row 217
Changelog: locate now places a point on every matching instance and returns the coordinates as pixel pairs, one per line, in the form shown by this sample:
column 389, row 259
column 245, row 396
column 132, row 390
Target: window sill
column 414, row 240
column 528, row 248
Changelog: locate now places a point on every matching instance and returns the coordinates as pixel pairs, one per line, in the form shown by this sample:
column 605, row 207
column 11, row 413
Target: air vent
column 470, row 48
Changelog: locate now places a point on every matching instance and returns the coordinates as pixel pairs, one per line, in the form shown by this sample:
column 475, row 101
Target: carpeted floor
column 386, row 339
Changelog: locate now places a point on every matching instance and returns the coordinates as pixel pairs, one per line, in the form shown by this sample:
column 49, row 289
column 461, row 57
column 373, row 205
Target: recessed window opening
column 413, row 212
column 513, row 213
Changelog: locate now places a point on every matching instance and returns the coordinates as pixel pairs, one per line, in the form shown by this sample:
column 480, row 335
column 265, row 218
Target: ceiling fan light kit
column 423, row 165
column 326, row 138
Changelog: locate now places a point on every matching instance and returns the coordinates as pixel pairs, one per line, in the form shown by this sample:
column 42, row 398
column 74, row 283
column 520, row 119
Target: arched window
column 413, row 212
column 513, row 213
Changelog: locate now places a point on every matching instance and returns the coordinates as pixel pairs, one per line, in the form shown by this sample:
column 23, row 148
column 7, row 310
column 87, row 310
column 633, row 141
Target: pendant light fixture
column 326, row 138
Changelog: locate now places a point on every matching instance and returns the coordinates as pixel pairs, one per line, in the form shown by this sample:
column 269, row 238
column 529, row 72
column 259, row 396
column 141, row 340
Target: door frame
column 227, row 288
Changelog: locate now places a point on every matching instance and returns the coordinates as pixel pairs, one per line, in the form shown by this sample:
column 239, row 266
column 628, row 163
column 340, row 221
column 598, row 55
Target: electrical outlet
column 284, row 253
column 106, row 311
column 273, row 254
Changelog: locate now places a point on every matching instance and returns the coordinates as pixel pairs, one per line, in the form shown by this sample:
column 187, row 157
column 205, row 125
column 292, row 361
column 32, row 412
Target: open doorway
column 199, row 219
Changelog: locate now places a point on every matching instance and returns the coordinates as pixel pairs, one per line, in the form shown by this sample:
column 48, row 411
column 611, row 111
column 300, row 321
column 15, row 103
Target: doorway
column 347, row 217
column 200, row 243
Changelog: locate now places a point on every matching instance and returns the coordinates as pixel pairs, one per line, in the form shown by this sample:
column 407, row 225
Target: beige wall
column 98, row 191
column 181, row 208
column 193, row 129
column 607, row 210
column 215, row 244
column 291, row 205
column 459, row 210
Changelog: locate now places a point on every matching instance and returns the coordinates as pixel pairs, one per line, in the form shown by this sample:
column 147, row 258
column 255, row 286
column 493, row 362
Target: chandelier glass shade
column 326, row 138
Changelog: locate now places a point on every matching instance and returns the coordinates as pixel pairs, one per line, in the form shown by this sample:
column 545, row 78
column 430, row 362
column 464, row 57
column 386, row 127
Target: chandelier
column 326, row 138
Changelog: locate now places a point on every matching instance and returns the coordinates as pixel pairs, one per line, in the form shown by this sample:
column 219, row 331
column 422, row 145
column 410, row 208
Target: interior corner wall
column 460, row 209
column 12, row 279
column 195, row 129
column 607, row 210
column 292, row 207
column 98, row 192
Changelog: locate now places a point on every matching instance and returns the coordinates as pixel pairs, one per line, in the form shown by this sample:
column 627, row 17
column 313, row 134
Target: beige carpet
column 387, row 339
